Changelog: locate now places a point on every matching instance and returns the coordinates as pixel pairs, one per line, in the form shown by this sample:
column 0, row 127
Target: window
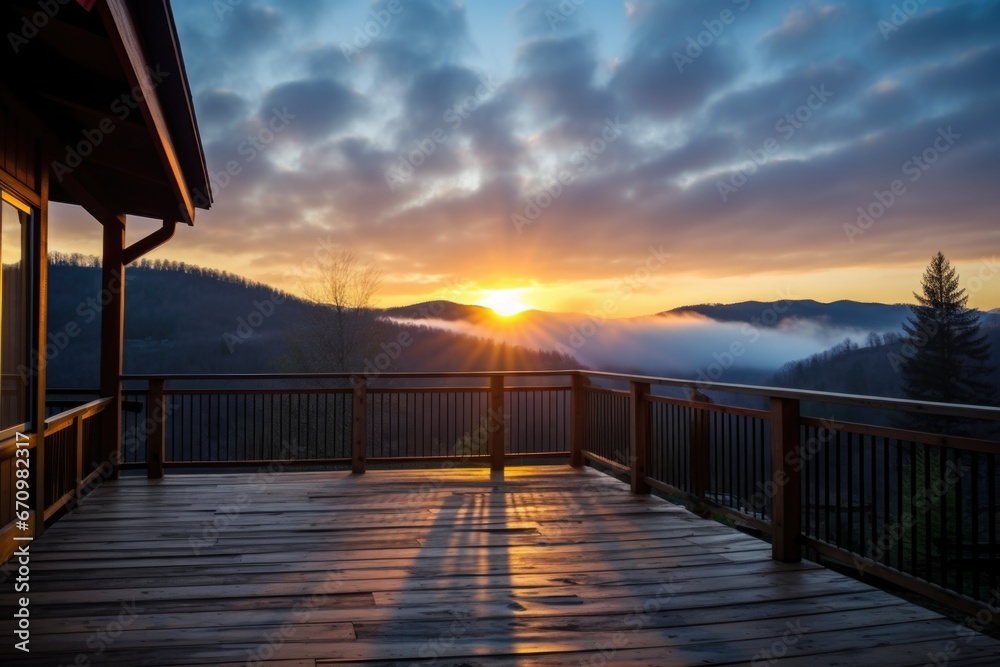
column 16, row 377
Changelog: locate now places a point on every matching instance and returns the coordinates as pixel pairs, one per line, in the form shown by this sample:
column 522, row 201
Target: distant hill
column 177, row 318
column 185, row 319
column 843, row 314
column 485, row 319
column 687, row 342
column 840, row 314
column 441, row 310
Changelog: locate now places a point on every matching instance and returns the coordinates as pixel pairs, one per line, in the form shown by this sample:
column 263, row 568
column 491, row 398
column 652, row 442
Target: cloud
column 325, row 61
column 650, row 82
column 557, row 82
column 426, row 34
column 689, row 127
column 804, row 28
column 962, row 77
column 938, row 31
column 219, row 107
column 432, row 93
column 544, row 17
column 244, row 31
column 667, row 71
column 318, row 106
column 755, row 113
column 219, row 38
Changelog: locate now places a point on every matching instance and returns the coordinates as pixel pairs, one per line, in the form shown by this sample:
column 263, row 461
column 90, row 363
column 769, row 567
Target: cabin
column 490, row 518
column 95, row 111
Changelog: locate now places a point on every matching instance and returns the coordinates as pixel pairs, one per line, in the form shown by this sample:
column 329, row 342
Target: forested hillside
column 185, row 319
column 870, row 367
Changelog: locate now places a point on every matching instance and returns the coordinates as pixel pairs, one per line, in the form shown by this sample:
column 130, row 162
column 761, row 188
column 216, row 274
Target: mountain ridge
column 452, row 310
column 185, row 319
column 841, row 313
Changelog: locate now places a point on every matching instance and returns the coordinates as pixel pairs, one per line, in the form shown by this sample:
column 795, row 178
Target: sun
column 503, row 302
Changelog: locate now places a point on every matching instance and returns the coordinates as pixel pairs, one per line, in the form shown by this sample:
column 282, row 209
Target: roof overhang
column 108, row 87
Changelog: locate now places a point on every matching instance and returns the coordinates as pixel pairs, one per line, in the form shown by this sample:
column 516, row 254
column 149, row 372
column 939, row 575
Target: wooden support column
column 38, row 253
column 112, row 337
column 786, row 499
column 156, row 437
column 359, row 425
column 577, row 419
column 639, row 436
column 497, row 425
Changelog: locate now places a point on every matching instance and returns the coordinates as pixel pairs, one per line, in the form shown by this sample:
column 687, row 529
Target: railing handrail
column 55, row 423
column 412, row 375
column 860, row 400
column 10, row 433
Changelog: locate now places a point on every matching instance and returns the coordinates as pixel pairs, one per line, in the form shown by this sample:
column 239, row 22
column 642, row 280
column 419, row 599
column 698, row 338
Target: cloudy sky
column 595, row 153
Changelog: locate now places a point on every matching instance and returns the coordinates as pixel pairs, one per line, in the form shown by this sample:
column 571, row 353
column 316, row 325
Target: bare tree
column 347, row 328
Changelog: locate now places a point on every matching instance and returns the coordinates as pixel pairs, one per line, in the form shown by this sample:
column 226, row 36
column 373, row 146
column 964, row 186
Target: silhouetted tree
column 349, row 330
column 945, row 355
column 944, row 358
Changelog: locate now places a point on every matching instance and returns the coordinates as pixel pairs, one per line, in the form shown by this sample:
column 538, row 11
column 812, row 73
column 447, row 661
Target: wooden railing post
column 38, row 481
column 156, row 435
column 497, row 427
column 786, row 496
column 699, row 460
column 78, row 426
column 639, row 436
column 359, row 425
column 577, row 418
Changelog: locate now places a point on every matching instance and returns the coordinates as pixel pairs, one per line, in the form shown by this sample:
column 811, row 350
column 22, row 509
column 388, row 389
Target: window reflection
column 14, row 367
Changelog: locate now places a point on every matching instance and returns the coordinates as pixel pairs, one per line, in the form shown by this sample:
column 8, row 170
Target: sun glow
column 503, row 302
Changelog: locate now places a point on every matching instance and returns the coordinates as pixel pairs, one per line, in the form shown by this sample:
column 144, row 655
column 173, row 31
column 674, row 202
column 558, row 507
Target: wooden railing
column 339, row 419
column 918, row 509
column 17, row 499
column 48, row 472
column 72, row 455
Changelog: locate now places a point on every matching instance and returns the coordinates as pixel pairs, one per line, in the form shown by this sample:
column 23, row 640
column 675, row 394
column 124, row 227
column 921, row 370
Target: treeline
column 871, row 367
column 92, row 261
column 848, row 367
column 176, row 320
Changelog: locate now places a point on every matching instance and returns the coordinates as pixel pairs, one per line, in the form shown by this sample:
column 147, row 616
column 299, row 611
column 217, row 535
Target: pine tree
column 944, row 359
column 945, row 355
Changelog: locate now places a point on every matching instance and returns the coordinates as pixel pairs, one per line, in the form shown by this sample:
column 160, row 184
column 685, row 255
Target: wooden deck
column 546, row 566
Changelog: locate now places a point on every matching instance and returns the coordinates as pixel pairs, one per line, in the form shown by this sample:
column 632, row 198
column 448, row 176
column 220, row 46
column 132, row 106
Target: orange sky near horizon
column 628, row 293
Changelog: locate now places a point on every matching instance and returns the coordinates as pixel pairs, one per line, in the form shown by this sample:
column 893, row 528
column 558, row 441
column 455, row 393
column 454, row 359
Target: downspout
column 149, row 243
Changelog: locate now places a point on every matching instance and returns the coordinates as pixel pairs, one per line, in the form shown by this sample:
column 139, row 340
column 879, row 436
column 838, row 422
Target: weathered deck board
column 546, row 566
